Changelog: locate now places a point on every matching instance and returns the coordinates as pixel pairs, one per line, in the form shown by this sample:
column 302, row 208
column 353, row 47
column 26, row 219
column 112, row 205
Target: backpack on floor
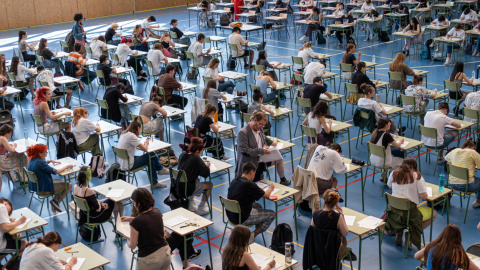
column 211, row 23
column 70, row 40
column 384, row 36
column 97, row 163
column 321, row 39
column 231, row 63
column 192, row 74
column 281, row 235
column 112, row 173
column 224, row 20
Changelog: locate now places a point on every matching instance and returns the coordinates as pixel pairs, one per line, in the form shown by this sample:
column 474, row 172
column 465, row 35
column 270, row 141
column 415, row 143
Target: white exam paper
column 175, row 221
column 387, row 108
column 273, row 156
column 79, row 263
column 213, row 168
column 115, row 193
column 23, row 224
column 262, row 261
column 429, row 192
column 369, row 222
column 123, row 227
column 350, row 220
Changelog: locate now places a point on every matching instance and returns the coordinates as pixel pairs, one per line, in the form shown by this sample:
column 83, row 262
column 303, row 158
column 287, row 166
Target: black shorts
column 11, row 244
column 246, row 53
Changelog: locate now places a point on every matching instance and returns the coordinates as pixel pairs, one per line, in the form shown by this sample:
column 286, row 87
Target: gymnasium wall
column 24, row 13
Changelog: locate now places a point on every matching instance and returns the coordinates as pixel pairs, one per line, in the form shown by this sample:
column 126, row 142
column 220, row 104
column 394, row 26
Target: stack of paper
column 79, row 263
column 175, row 221
column 429, row 192
column 263, row 261
column 369, row 222
column 350, row 220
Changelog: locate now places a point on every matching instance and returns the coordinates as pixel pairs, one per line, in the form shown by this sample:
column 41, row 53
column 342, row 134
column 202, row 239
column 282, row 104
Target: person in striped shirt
column 76, row 57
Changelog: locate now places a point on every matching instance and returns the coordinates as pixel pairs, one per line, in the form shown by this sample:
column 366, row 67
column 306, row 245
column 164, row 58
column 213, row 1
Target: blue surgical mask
column 344, row 12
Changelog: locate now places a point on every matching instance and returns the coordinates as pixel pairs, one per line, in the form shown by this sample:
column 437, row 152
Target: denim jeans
column 474, row 186
column 84, row 77
column 477, row 47
column 226, row 86
column 139, row 161
column 450, row 48
column 448, row 138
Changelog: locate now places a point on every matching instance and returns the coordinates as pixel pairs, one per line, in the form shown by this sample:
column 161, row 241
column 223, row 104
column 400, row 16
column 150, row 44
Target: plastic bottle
column 390, row 5
column 473, row 75
column 441, row 182
column 215, row 117
column 26, row 137
column 373, row 59
column 288, row 252
column 284, row 78
column 277, row 102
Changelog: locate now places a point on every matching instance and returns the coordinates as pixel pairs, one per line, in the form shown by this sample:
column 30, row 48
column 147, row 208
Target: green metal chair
column 190, row 56
column 123, row 154
column 101, row 78
column 17, row 84
column 461, row 173
column 234, row 207
column 402, row 204
column 300, row 78
column 452, row 87
column 173, row 35
column 150, row 73
column 102, row 104
column 311, row 134
column 430, row 132
column 142, row 132
column 363, row 115
column 37, row 119
column 475, row 115
column 410, row 101
column 258, row 69
column 245, row 118
column 233, row 48
column 45, row 84
column 82, row 204
column 64, row 46
column 377, row 150
column 394, row 76
column 345, row 68
column 41, row 196
column 181, row 176
column 302, row 105
column 353, row 90
column 206, row 79
column 41, row 61
column 89, row 51
column 297, row 61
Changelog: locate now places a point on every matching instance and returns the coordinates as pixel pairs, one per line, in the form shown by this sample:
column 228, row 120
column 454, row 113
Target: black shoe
column 142, row 80
column 55, row 206
column 195, row 255
column 408, row 53
column 353, row 256
column 401, row 131
column 144, row 75
column 285, row 182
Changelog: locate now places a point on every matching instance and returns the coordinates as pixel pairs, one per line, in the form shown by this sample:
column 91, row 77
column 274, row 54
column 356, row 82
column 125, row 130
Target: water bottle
column 373, row 59
column 449, row 18
column 473, row 75
column 442, row 182
column 288, row 252
column 390, row 5
column 25, row 135
column 277, row 102
column 284, row 78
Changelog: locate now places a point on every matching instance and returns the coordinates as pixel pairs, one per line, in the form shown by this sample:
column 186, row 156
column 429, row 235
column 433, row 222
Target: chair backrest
column 17, row 52
column 37, row 119
column 471, row 113
column 44, row 84
column 429, row 132
column 298, row 77
column 230, row 205
column 81, row 203
column 115, row 58
column 207, row 40
column 183, row 175
column 88, row 50
column 351, row 88
column 450, row 86
column 206, row 79
column 121, row 153
column 31, row 176
column 100, row 74
column 309, row 132
column 64, row 44
column 189, row 55
column 40, row 58
column 254, row 87
column 259, row 68
column 233, row 47
column 458, row 172
column 408, row 100
column 102, row 104
column 245, row 117
column 297, row 60
column 173, row 35
column 377, row 150
column 346, row 67
column 395, row 76
column 397, row 203
column 304, row 102
column 11, row 76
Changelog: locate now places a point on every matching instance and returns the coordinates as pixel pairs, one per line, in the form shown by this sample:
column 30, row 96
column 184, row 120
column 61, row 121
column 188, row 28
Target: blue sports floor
column 278, row 50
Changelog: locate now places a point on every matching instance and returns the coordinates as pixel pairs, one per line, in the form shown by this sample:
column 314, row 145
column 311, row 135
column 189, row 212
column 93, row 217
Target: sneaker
column 476, row 204
column 163, row 171
column 252, row 238
column 303, row 38
column 399, row 238
column 441, row 161
column 285, row 182
column 474, row 52
column 367, row 39
column 195, row 255
column 203, row 210
column 447, row 62
column 340, row 45
column 106, row 164
column 193, row 207
column 55, row 207
column 159, row 185
column 246, row 66
column 225, row 157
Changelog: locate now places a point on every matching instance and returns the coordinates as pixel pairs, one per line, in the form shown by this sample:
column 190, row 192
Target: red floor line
column 284, row 209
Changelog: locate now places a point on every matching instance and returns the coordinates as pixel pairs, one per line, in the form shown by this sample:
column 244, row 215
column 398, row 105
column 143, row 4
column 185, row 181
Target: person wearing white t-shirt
column 148, row 28
column 200, row 58
column 222, row 85
column 98, row 46
column 438, row 119
column 85, row 131
column 130, row 142
column 469, row 15
column 306, row 52
column 7, row 242
column 457, row 33
column 156, row 56
column 313, row 70
column 237, row 39
column 407, row 182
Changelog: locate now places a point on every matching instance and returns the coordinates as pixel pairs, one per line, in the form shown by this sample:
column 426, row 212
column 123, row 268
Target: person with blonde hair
column 398, row 65
column 111, row 33
column 84, row 131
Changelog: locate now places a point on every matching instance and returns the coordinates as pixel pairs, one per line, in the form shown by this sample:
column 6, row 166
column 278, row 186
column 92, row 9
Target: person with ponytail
column 407, row 182
column 8, row 244
column 129, row 141
column 19, row 70
column 211, row 94
column 152, row 116
column 85, row 131
column 38, row 165
column 99, row 212
column 349, row 58
column 331, row 218
column 393, row 157
column 50, row 58
column 204, row 124
column 41, row 254
column 41, row 108
column 360, row 77
column 313, row 24
column 446, row 252
column 10, row 160
column 306, row 52
column 23, row 45
column 466, row 157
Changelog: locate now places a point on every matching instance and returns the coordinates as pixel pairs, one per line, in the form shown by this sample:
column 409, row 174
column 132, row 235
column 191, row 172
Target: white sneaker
column 225, row 157
column 159, row 185
column 203, row 210
column 106, row 164
column 447, row 62
column 193, row 207
column 474, row 52
column 477, row 55
column 163, row 171
column 303, row 38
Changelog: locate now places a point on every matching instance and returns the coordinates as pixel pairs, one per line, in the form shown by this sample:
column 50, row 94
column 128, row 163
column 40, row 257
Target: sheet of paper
column 262, row 261
column 279, row 145
column 115, row 193
column 79, row 263
column 323, row 96
column 273, row 156
column 476, row 261
column 213, row 168
column 350, row 220
column 429, row 192
column 348, row 166
column 123, row 227
column 369, row 222
column 333, row 124
column 23, row 224
column 387, row 108
column 175, row 221
column 403, row 144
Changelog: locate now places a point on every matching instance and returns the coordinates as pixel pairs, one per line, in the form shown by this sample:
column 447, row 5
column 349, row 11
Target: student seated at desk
column 472, row 102
column 146, row 232
column 262, row 60
column 48, row 56
column 169, row 83
column 23, row 45
column 339, row 11
column 168, row 46
column 469, row 15
column 4, row 103
column 317, row 119
column 107, row 73
column 421, row 94
column 148, row 28
column 211, row 94
column 41, row 108
column 446, row 252
column 111, row 33
column 407, row 182
column 313, row 70
column 157, row 57
column 441, row 21
column 360, row 77
column 438, row 119
column 205, row 124
column 314, row 21
column 466, row 157
column 331, row 218
column 41, row 254
column 46, row 76
column 222, row 85
column 19, row 70
column 369, row 33
column 11, row 161
column 8, row 244
column 476, row 51
column 393, row 157
column 423, row 4
column 349, row 58
column 458, row 76
column 98, row 46
column 152, row 121
column 264, row 80
column 245, row 191
column 414, row 28
column 306, row 52
column 113, row 95
column 180, row 38
column 123, row 51
column 3, row 71
column 84, row 74
column 207, row 9
column 456, row 32
column 367, row 6
column 200, row 58
column 345, row 19
column 84, row 131
column 99, row 212
column 191, row 162
column 139, row 39
column 237, row 39
column 236, row 255
column 38, row 165
column 313, row 92
column 257, row 105
column 129, row 141
column 398, row 65
column 401, row 9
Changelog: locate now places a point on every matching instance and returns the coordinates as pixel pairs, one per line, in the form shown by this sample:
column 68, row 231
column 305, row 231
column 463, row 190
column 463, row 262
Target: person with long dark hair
column 10, row 160
column 413, row 28
column 458, row 76
column 79, row 33
column 262, row 60
column 204, row 124
column 19, row 70
column 393, row 157
column 317, row 119
column 211, row 94
column 313, row 22
column 349, row 58
column 407, row 182
column 446, row 252
column 23, row 45
column 49, row 57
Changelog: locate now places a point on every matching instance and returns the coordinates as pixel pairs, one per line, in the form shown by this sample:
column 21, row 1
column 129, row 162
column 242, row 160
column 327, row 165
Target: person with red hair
column 41, row 108
column 123, row 51
column 38, row 165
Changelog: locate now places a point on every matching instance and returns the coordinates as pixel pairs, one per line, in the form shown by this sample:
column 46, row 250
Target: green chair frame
column 123, row 154
column 430, row 132
column 37, row 119
column 302, row 104
column 473, row 114
column 311, row 134
column 233, row 47
column 452, row 87
column 41, row 196
column 362, row 130
column 461, row 173
column 183, row 179
column 344, row 67
column 101, row 77
column 377, row 150
column 394, row 76
column 410, row 100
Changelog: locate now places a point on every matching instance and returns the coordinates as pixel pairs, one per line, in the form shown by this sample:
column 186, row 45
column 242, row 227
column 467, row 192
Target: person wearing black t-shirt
column 246, row 192
column 107, row 70
column 204, row 124
column 393, row 156
column 313, row 92
column 111, row 33
column 348, row 31
column 360, row 77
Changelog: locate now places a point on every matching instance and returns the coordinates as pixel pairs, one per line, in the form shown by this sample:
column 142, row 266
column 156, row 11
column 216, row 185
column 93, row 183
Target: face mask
column 344, row 12
column 107, row 62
